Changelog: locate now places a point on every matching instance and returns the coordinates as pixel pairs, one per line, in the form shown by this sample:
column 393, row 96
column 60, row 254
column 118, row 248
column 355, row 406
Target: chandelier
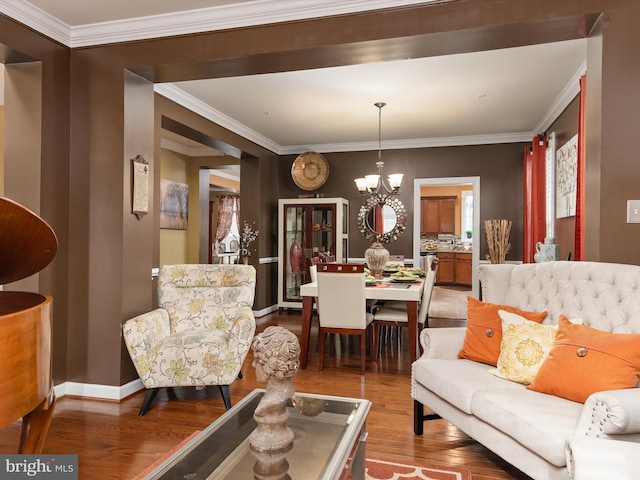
column 374, row 185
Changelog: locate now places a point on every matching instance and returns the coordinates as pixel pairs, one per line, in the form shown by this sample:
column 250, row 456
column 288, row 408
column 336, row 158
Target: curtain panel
column 226, row 205
column 534, row 229
column 580, row 174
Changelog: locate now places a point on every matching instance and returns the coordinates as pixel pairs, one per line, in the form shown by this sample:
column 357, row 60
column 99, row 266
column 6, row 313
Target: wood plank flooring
column 112, row 442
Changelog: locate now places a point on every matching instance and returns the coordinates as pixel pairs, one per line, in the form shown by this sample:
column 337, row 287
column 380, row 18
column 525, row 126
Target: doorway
column 474, row 183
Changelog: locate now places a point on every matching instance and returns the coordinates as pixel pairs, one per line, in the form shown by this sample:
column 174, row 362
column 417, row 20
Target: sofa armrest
column 442, row 342
column 599, row 458
column 612, row 412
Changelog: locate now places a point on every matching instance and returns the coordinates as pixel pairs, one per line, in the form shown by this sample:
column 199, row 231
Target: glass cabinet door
column 294, row 255
column 310, row 231
column 323, row 228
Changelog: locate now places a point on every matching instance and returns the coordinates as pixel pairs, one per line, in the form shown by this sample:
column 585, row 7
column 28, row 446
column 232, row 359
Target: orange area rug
column 377, row 469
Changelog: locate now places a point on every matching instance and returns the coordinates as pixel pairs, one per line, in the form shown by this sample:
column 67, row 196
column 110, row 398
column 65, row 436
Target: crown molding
column 411, row 143
column 564, row 98
column 258, row 12
column 179, row 96
column 33, row 17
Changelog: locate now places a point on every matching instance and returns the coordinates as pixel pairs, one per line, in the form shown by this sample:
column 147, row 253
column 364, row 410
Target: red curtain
column 580, row 186
column 535, row 225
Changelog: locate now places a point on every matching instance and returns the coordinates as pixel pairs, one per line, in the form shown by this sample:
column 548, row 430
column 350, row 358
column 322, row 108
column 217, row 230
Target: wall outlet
column 633, row 211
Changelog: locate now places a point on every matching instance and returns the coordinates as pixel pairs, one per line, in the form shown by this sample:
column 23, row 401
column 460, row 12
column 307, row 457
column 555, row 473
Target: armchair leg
column 226, row 395
column 148, row 400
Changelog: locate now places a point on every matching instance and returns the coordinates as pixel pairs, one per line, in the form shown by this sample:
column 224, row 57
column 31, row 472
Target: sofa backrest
column 605, row 295
column 205, row 296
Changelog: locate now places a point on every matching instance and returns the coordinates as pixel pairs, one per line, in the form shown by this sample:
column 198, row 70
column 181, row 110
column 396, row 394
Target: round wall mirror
column 382, row 218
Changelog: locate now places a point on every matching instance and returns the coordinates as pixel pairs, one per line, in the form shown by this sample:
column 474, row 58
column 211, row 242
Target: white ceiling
column 486, row 97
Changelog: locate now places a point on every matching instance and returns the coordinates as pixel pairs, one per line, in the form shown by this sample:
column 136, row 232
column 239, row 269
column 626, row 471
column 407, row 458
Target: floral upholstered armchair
column 201, row 332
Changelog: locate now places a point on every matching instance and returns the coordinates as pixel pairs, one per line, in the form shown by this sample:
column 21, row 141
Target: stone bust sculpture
column 276, row 359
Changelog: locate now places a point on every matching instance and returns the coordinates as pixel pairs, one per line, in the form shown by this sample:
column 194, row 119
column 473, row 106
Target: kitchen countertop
column 451, row 250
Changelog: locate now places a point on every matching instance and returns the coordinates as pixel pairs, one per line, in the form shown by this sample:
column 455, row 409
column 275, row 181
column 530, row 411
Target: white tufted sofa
column 544, row 436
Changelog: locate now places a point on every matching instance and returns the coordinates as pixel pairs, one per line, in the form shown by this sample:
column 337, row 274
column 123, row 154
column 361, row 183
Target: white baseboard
column 265, row 311
column 104, row 392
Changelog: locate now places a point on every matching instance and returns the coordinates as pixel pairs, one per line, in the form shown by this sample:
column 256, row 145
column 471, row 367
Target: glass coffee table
column 329, row 442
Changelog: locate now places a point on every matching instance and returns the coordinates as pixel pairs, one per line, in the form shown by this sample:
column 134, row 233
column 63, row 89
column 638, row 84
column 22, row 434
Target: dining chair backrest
column 313, row 273
column 341, row 295
column 427, row 292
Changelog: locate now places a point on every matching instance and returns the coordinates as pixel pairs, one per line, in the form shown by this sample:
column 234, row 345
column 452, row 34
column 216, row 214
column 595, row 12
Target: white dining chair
column 341, row 299
column 394, row 313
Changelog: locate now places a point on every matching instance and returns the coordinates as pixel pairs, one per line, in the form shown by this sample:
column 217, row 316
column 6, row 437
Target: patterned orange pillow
column 585, row 360
column 484, row 330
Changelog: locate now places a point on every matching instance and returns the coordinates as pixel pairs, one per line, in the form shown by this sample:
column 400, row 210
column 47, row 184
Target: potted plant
column 469, row 233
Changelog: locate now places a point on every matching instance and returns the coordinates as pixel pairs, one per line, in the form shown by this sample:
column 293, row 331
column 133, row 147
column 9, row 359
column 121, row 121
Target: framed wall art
column 174, row 198
column 140, row 189
column 566, row 178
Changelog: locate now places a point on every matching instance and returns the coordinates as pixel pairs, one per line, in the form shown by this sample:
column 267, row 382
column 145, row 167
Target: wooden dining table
column 386, row 290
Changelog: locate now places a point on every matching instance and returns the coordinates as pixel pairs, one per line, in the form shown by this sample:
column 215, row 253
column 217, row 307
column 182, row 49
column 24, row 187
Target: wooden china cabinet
column 308, row 229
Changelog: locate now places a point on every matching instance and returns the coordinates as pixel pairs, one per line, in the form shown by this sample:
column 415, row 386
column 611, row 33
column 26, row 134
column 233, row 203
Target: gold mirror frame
column 401, row 218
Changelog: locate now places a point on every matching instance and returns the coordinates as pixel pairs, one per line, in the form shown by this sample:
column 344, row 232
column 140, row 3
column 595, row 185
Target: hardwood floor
column 113, row 442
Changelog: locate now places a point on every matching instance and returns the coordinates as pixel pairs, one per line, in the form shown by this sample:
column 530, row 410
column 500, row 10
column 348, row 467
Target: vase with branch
column 247, row 237
column 498, row 232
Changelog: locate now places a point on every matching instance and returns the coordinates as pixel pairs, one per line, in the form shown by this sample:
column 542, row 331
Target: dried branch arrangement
column 498, row 232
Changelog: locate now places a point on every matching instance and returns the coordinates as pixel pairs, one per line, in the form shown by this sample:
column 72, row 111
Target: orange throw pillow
column 484, row 330
column 585, row 360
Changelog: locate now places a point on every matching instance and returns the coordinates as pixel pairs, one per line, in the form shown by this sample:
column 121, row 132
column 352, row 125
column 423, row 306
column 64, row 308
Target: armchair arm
column 243, row 328
column 442, row 342
column 598, row 458
column 612, row 412
column 143, row 332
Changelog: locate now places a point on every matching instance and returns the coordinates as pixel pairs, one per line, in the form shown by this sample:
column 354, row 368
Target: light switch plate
column 633, row 211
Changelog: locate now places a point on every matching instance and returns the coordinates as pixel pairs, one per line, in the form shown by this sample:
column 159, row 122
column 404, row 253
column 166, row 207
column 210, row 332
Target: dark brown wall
column 21, row 44
column 85, row 188
column 500, row 168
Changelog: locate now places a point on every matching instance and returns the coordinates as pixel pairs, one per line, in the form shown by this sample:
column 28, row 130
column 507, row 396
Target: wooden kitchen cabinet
column 437, row 215
column 463, row 269
column 454, row 269
column 446, row 268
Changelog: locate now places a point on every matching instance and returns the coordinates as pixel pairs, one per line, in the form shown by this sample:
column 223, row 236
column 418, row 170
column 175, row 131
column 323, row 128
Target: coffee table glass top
column 325, row 431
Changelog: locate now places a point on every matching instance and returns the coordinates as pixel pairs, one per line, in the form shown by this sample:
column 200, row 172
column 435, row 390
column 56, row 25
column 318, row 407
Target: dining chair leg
column 363, row 351
column 321, row 336
column 375, row 342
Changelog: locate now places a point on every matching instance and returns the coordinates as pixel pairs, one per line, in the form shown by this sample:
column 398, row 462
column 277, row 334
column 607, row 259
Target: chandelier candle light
column 373, row 184
column 375, row 187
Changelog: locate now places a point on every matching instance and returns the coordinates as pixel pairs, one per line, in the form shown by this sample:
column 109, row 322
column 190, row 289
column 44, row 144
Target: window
column 466, row 216
column 550, row 167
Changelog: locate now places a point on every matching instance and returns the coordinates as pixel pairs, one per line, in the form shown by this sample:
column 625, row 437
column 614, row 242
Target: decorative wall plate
column 310, row 170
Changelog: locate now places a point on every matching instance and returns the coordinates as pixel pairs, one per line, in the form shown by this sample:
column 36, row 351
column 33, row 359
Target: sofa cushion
column 484, row 330
column 524, row 347
column 537, row 421
column 456, row 381
column 585, row 360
